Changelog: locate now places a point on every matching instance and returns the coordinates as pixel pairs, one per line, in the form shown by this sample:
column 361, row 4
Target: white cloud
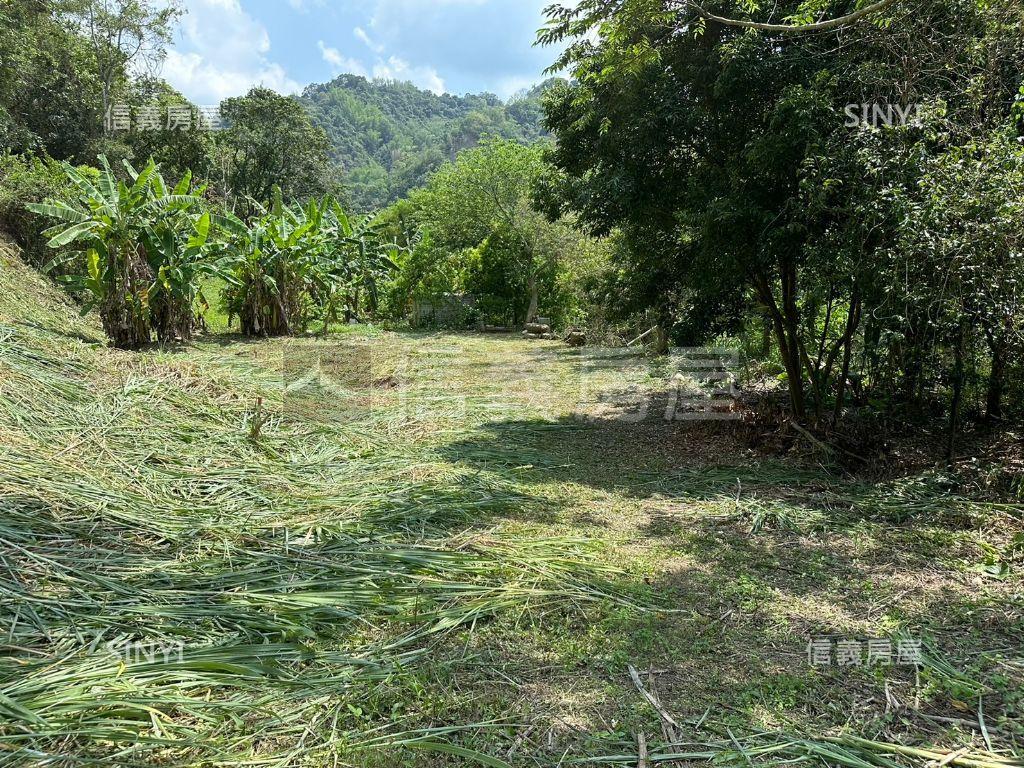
column 222, row 52
column 423, row 77
column 475, row 43
column 384, row 68
column 339, row 62
column 395, row 68
column 368, row 41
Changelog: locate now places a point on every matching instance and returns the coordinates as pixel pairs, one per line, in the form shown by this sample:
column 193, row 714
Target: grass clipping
column 177, row 593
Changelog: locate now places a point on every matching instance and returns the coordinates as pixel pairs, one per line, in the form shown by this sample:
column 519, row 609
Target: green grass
column 438, row 564
column 209, row 306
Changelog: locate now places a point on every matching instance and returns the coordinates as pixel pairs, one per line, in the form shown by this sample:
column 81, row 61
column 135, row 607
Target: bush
column 26, row 179
column 426, row 272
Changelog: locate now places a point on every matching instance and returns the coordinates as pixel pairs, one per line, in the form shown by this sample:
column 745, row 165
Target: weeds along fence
column 292, row 575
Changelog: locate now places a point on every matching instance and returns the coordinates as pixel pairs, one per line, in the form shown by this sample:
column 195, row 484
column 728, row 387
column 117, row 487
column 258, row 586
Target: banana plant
column 251, row 292
column 290, row 262
column 356, row 259
column 180, row 253
column 270, row 265
column 110, row 221
column 372, row 259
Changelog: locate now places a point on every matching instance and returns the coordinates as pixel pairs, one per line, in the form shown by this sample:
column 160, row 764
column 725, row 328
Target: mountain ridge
column 389, row 136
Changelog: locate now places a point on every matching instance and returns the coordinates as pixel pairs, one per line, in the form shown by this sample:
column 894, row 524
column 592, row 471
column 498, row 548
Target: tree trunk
column 173, row 318
column 264, row 312
column 107, row 121
column 531, row 313
column 766, row 337
column 660, row 339
column 996, row 380
column 958, row 394
column 124, row 311
column 852, row 323
column 786, row 329
column 794, row 371
column 913, row 372
column 791, row 321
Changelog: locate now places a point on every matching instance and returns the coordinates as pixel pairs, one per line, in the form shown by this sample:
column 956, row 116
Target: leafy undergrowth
column 391, row 550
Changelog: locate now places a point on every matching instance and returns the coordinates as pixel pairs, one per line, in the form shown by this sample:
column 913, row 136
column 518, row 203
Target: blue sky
column 224, row 47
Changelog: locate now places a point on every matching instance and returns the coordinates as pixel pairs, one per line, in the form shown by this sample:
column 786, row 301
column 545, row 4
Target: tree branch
column 818, row 26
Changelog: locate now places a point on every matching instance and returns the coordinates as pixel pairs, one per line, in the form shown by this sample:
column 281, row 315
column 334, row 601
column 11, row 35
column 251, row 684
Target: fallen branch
column 829, row 450
column 924, row 754
column 666, row 730
column 642, row 336
column 812, row 439
column 650, row 699
column 641, row 748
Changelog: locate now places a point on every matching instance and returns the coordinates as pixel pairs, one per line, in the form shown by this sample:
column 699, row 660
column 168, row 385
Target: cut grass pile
column 180, row 590
column 405, row 550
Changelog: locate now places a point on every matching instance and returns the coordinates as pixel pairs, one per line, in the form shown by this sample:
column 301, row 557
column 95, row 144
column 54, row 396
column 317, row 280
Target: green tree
column 955, row 276
column 124, row 35
column 175, row 150
column 390, row 136
column 271, row 142
column 488, row 192
column 719, row 150
column 50, row 94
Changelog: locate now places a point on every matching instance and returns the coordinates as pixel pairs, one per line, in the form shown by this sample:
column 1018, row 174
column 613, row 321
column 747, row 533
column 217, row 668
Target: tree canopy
column 389, row 137
column 271, row 141
column 723, row 155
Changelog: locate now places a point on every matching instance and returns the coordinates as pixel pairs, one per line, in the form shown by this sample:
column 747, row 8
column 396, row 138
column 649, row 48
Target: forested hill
column 389, row 136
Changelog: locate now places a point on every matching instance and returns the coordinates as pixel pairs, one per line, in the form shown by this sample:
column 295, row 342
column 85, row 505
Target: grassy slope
column 440, row 543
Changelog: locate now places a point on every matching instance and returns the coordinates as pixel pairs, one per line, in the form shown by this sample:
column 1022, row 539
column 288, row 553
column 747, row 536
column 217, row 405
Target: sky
column 224, row 47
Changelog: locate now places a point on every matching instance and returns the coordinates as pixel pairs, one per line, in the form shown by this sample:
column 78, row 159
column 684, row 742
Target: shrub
column 25, row 179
